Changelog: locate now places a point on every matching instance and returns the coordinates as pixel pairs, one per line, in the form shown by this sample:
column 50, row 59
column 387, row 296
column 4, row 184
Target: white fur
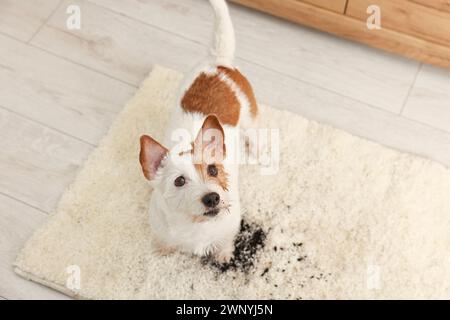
column 172, row 208
column 224, row 41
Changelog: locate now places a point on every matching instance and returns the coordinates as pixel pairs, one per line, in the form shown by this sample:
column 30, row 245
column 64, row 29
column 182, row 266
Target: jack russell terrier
column 195, row 206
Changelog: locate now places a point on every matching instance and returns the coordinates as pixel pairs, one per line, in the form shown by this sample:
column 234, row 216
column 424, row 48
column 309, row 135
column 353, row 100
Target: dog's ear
column 150, row 156
column 209, row 146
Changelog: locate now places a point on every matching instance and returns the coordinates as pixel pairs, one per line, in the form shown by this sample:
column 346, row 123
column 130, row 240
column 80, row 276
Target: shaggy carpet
column 343, row 218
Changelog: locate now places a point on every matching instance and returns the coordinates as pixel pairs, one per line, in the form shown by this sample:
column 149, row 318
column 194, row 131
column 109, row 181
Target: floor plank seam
column 47, row 126
column 411, row 89
column 378, row 108
column 45, row 21
column 7, row 35
column 24, row 203
column 425, row 124
column 147, row 23
column 132, row 85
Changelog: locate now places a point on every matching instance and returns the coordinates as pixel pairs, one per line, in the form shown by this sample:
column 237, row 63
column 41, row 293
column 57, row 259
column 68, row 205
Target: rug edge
column 47, row 283
column 16, row 265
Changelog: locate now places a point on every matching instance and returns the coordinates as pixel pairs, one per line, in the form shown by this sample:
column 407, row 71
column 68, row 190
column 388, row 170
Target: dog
column 194, row 207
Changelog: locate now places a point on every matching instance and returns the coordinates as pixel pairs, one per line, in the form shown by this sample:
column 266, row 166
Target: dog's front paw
column 162, row 249
column 224, row 256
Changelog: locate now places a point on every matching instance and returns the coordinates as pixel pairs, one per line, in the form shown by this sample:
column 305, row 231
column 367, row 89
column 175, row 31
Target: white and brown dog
column 195, row 202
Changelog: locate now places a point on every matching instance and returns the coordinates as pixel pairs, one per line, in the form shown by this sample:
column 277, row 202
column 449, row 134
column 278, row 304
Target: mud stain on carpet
column 249, row 241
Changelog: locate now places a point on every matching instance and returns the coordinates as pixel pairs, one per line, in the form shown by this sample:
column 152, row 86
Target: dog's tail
column 224, row 42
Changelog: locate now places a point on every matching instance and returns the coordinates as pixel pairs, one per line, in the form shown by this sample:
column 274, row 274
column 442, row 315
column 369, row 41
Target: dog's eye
column 212, row 170
column 180, row 181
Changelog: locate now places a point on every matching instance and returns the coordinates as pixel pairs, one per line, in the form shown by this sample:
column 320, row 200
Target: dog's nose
column 211, row 199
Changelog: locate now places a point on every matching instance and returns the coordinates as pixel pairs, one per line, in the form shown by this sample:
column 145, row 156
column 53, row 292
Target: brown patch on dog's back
column 242, row 82
column 209, row 94
column 221, row 179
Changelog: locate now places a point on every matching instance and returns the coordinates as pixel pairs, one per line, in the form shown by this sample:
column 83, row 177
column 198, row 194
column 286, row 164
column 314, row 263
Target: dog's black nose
column 211, row 199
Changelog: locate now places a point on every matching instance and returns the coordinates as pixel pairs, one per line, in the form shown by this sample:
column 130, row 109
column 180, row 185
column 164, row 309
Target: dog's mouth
column 212, row 212
column 215, row 211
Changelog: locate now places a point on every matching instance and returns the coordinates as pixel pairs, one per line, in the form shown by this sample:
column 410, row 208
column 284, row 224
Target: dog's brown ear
column 209, row 146
column 150, row 156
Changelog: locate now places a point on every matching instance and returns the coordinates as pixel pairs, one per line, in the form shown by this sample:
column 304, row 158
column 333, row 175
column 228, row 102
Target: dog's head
column 193, row 181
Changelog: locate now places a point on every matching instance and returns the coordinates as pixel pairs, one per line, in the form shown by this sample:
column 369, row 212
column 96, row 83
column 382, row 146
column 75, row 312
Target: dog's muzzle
column 212, row 212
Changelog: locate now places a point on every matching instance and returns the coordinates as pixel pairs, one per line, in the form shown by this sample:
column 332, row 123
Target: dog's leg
column 162, row 249
column 225, row 253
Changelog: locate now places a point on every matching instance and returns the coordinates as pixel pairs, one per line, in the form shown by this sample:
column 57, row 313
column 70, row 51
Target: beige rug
column 344, row 218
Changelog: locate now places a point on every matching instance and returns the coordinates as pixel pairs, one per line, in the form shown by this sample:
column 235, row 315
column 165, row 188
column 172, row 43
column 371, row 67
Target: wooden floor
column 60, row 89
